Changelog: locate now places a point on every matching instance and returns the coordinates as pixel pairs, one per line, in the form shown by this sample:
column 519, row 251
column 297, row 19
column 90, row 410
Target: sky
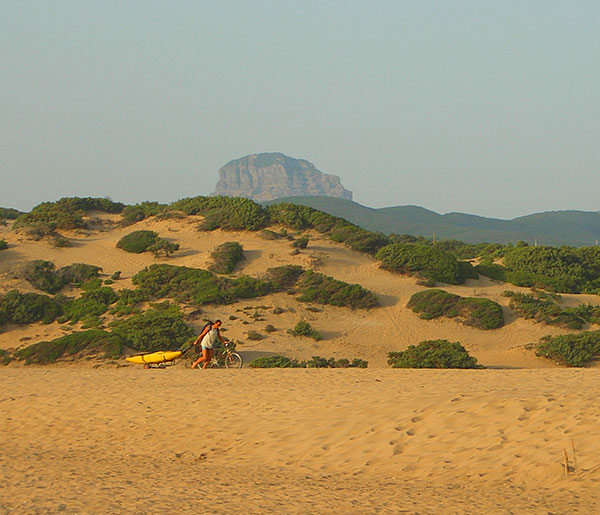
column 483, row 107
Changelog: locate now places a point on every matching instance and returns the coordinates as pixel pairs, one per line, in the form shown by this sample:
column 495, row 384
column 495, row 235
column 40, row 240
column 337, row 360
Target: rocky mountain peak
column 270, row 176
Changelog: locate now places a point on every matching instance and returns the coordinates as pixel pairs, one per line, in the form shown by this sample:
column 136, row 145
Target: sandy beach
column 109, row 440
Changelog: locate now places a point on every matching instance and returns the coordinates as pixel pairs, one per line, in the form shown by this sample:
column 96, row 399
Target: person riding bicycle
column 208, row 338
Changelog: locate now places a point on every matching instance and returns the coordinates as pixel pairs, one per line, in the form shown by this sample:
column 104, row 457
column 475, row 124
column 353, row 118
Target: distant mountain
column 578, row 228
column 263, row 177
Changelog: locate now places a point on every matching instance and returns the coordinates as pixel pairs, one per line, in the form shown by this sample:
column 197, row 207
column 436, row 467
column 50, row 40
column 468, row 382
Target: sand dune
column 365, row 334
column 298, row 441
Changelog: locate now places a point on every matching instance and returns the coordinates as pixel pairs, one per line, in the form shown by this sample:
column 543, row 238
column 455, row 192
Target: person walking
column 208, row 339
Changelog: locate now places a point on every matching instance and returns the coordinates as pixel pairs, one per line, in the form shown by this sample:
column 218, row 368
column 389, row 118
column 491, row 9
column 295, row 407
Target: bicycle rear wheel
column 233, row 360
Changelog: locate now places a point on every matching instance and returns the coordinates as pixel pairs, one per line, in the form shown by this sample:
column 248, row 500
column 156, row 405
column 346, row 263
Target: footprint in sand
column 410, row 432
column 416, row 419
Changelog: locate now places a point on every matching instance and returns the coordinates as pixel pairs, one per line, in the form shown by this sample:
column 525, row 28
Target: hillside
column 368, row 334
column 577, row 228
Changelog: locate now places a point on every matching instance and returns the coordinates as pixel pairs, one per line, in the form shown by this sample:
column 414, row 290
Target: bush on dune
column 429, row 262
column 542, row 308
column 3, row 245
column 475, row 312
column 279, row 361
column 66, row 213
column 195, row 285
column 27, row 308
column 433, row 354
column 160, row 328
column 316, row 287
column 226, row 257
column 575, row 350
column 92, row 342
column 44, row 276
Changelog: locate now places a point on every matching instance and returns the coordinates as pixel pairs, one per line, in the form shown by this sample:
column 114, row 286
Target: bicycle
column 225, row 356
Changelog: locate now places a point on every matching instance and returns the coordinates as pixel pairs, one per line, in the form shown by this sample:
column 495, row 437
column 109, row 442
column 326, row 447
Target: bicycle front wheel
column 233, row 360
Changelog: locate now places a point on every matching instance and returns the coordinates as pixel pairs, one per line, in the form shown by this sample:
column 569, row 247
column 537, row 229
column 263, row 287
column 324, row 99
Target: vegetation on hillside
column 159, row 328
column 543, row 308
column 7, row 213
column 556, row 269
column 92, row 342
column 303, row 328
column 433, row 354
column 44, row 276
column 475, row 312
column 575, row 350
column 66, row 213
column 279, row 361
column 137, row 242
column 226, row 257
column 3, row 245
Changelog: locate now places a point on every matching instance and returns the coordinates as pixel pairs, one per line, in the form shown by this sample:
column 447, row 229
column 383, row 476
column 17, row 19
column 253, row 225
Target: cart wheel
column 146, row 366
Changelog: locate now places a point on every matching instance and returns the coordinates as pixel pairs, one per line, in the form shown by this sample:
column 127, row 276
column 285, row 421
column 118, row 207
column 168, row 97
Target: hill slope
column 578, row 228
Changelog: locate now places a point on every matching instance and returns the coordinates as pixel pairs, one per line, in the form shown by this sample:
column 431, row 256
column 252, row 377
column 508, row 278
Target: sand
column 116, row 440
column 95, row 436
column 364, row 334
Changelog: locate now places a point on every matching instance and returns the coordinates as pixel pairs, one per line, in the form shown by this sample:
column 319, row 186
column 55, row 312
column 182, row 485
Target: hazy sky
column 483, row 107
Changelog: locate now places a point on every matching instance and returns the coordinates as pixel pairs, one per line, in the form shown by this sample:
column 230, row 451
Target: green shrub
column 26, row 308
column 137, row 241
column 300, row 243
column 78, row 273
column 277, row 361
column 66, row 213
column 226, row 257
column 42, row 275
column 160, row 328
column 571, row 349
column 3, row 245
column 543, row 309
column 139, row 212
column 5, row 357
column 228, row 213
column 270, row 328
column 116, row 276
column 267, row 234
column 476, row 312
column 559, row 269
column 492, row 270
column 303, row 328
column 429, row 262
column 162, row 247
column 89, row 306
column 59, row 241
column 320, row 362
column 7, row 213
column 433, row 354
column 195, row 286
column 283, row 278
column 316, row 287
column 255, row 336
column 90, row 342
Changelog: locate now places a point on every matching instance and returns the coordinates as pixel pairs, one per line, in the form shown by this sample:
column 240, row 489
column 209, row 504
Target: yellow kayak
column 154, row 357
